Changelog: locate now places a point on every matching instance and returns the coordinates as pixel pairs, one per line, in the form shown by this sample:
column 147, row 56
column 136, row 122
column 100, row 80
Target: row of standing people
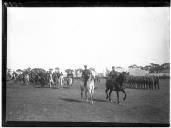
column 139, row 82
column 143, row 82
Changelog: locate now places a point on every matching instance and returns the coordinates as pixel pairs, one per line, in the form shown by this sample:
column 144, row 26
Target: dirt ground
column 27, row 103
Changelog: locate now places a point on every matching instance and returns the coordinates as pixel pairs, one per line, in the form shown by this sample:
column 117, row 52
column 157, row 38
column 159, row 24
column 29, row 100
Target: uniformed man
column 85, row 75
column 113, row 73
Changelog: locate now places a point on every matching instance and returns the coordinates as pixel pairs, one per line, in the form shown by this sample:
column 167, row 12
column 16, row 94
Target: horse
column 115, row 85
column 51, row 82
column 69, row 81
column 90, row 86
column 61, row 79
column 27, row 79
column 56, row 79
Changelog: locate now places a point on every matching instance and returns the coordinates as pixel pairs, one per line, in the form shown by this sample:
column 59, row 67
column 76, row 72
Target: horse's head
column 91, row 76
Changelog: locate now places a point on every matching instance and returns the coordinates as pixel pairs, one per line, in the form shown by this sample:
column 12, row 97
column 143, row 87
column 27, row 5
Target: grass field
column 27, row 103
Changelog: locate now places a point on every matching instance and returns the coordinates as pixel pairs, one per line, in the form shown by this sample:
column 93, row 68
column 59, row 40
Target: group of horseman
column 53, row 79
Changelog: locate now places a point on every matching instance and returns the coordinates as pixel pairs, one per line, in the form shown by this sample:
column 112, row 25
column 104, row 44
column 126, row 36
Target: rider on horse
column 114, row 77
column 113, row 74
column 85, row 75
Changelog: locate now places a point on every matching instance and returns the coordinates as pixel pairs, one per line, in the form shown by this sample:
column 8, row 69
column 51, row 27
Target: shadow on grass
column 99, row 100
column 70, row 100
column 78, row 101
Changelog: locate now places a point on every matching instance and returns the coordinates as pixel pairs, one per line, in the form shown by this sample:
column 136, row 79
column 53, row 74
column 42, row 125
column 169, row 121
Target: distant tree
column 165, row 65
column 130, row 66
column 147, row 67
column 57, row 69
column 141, row 67
column 155, row 68
column 133, row 66
column 19, row 71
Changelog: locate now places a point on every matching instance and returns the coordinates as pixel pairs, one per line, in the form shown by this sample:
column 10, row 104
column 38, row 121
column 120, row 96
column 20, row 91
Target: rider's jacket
column 113, row 74
column 57, row 74
column 85, row 74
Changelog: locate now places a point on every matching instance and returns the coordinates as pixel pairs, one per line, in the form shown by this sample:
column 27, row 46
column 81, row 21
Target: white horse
column 69, row 81
column 27, row 79
column 61, row 79
column 88, row 88
column 50, row 80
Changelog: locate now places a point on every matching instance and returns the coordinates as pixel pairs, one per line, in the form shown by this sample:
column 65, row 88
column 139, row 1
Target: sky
column 100, row 37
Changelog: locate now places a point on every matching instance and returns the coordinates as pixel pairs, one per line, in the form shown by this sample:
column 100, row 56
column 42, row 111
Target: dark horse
column 115, row 85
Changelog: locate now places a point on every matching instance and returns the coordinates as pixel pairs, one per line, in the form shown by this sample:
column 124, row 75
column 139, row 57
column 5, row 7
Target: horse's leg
column 67, row 83
column 117, row 92
column 124, row 93
column 86, row 95
column 62, row 83
column 71, row 82
column 91, row 92
column 110, row 92
column 107, row 96
column 82, row 94
column 50, row 84
column 91, row 96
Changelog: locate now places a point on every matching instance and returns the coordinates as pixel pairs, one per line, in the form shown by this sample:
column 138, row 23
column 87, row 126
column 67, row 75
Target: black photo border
column 66, row 3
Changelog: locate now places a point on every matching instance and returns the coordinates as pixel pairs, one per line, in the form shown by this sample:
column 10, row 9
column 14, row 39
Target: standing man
column 85, row 75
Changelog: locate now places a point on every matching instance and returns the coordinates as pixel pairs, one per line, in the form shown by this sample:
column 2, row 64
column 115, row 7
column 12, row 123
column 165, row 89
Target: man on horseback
column 87, row 83
column 113, row 73
column 85, row 75
column 70, row 78
column 50, row 79
column 114, row 83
